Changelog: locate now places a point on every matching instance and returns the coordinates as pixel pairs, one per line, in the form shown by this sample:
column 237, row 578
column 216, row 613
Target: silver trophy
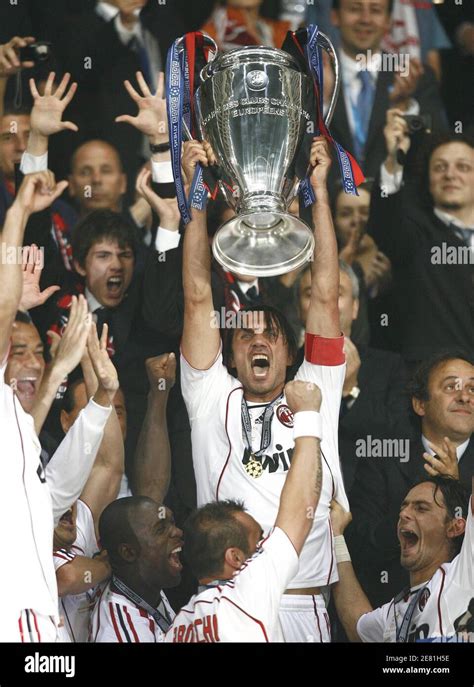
column 254, row 106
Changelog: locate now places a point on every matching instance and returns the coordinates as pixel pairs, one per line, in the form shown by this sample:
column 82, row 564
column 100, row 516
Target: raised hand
column 302, row 395
column 445, row 463
column 32, row 296
column 405, row 86
column 396, row 137
column 9, row 56
column 151, row 119
column 194, row 152
column 165, row 208
column 340, row 518
column 161, row 371
column 37, row 192
column 320, row 159
column 103, row 367
column 68, row 349
column 48, row 109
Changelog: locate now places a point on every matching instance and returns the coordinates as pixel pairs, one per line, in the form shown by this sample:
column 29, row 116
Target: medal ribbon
column 351, row 173
column 163, row 621
column 402, row 631
column 266, row 426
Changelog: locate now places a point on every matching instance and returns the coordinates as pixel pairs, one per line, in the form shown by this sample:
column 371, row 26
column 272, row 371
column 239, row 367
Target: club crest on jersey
column 425, row 595
column 285, row 415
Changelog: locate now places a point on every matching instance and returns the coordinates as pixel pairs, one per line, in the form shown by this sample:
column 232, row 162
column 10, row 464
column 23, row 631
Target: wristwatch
column 159, row 148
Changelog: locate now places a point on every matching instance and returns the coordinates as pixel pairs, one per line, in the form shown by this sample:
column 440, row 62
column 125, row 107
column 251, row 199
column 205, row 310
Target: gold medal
column 254, row 468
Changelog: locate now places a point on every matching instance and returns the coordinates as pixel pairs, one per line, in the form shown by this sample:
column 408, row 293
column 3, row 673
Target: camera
column 417, row 123
column 36, row 52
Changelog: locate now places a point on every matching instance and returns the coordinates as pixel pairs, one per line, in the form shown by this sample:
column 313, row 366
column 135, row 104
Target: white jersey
column 441, row 605
column 75, row 608
column 244, row 609
column 115, row 618
column 29, row 581
column 213, row 400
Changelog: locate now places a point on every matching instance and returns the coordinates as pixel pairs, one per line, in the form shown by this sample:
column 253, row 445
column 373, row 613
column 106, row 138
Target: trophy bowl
column 253, row 106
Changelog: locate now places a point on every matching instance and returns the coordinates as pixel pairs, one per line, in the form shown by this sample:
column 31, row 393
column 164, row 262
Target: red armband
column 319, row 350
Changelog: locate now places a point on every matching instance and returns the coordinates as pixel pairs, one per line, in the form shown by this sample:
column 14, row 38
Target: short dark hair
column 456, row 499
column 10, row 109
column 69, row 398
column 421, row 166
column 116, row 528
column 209, row 532
column 336, row 5
column 418, row 384
column 274, row 319
column 98, row 225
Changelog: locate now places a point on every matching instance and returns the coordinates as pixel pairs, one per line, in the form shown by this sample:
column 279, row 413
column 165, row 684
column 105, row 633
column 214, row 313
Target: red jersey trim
column 320, row 350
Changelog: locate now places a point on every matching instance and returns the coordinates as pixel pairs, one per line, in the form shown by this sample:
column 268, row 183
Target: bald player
column 244, row 575
column 436, row 534
column 241, row 425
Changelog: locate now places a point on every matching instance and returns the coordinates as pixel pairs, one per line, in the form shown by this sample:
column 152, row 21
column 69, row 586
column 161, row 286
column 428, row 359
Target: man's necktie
column 362, row 112
column 252, row 295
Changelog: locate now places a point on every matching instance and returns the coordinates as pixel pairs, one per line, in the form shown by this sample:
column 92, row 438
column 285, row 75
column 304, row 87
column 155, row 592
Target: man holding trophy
column 241, row 426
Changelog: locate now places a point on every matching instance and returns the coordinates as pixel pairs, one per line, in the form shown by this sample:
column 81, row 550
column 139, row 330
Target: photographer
column 428, row 236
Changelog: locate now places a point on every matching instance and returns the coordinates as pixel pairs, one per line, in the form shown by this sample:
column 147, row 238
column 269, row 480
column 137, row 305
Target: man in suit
column 371, row 86
column 427, row 231
column 105, row 46
column 442, row 393
column 373, row 397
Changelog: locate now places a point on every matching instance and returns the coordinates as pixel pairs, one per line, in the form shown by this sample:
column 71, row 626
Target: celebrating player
column 242, row 598
column 436, row 537
column 242, row 428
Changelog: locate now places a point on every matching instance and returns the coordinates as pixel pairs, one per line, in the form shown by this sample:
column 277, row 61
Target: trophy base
column 263, row 244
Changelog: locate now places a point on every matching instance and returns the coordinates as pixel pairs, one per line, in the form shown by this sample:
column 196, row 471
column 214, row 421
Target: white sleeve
column 261, row 581
column 324, row 365
column 371, row 626
column 85, row 540
column 62, row 557
column 203, row 388
column 166, row 239
column 162, row 172
column 462, row 568
column 33, row 163
column 390, row 183
column 69, row 468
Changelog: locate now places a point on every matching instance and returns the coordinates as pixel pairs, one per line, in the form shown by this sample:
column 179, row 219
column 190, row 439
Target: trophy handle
column 179, row 43
column 326, row 44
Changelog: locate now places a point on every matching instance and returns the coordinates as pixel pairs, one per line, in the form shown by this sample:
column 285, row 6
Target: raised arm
column 300, row 495
column 351, row 602
column 47, row 112
column 36, row 193
column 201, row 341
column 323, row 313
column 67, row 352
column 103, row 483
column 152, row 464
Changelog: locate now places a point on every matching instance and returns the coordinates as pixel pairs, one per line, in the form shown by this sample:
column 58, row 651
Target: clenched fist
column 302, row 396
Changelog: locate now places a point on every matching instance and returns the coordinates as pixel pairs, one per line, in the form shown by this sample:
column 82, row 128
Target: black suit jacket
column 436, row 301
column 380, row 409
column 427, row 96
column 380, row 486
